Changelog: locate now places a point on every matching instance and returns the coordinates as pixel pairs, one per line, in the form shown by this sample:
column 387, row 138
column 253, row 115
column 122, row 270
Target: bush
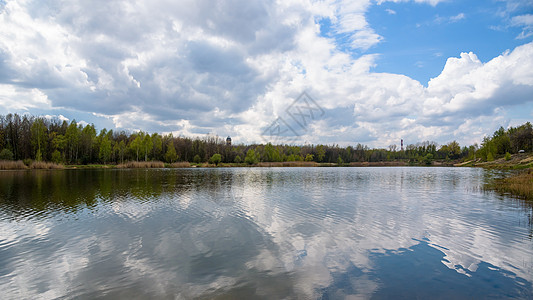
column 507, row 156
column 215, row 159
column 238, row 159
column 490, row 157
column 6, row 154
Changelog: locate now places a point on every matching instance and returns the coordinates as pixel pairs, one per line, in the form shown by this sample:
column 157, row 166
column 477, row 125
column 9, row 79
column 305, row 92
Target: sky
column 293, row 71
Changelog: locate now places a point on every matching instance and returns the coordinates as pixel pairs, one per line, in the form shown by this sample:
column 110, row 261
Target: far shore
column 517, row 161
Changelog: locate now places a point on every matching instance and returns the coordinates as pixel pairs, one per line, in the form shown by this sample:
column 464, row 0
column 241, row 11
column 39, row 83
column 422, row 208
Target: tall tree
column 39, row 138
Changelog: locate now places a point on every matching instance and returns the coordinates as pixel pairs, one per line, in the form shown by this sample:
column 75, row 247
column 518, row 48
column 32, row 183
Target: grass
column 520, row 185
column 12, row 165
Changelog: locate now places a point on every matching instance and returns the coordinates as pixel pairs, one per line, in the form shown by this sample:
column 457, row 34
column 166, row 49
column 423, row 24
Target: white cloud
column 430, row 2
column 231, row 69
column 526, row 22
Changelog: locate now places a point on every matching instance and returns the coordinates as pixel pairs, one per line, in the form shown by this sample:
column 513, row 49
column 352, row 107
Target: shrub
column 507, row 156
column 215, row 159
column 6, row 154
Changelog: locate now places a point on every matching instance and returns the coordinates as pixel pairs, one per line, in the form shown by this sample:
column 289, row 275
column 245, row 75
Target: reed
column 520, row 185
column 180, row 164
column 288, row 164
column 12, row 165
column 141, row 165
column 45, row 165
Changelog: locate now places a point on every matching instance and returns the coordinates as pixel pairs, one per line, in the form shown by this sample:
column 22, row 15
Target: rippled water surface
column 307, row 233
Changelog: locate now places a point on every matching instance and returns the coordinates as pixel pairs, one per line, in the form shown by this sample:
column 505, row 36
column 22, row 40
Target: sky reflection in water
column 268, row 233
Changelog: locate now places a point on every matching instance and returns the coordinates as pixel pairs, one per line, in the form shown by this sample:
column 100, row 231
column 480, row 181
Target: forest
column 29, row 138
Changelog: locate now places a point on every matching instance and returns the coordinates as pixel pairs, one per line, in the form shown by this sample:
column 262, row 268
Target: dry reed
column 45, row 165
column 519, row 185
column 12, row 165
column 288, row 164
column 180, row 164
column 141, row 165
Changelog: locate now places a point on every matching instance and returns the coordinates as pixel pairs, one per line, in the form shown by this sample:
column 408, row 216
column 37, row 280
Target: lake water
column 273, row 233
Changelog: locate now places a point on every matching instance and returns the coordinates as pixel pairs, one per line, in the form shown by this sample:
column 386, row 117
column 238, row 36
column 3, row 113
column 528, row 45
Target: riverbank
column 19, row 165
column 515, row 162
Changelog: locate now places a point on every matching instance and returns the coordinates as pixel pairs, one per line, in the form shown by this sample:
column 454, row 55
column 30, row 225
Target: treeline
column 41, row 139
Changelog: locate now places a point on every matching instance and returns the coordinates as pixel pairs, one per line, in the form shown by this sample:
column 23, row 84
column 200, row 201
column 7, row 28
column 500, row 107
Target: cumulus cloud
column 233, row 67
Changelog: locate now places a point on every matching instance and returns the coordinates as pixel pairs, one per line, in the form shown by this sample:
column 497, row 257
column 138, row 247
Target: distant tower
column 402, row 144
column 228, row 141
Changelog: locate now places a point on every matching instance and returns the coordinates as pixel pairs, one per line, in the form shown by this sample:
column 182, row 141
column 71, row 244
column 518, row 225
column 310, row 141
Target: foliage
column 6, row 154
column 507, row 156
column 197, row 159
column 31, row 138
column 56, row 157
column 215, row 159
column 171, row 155
column 251, row 157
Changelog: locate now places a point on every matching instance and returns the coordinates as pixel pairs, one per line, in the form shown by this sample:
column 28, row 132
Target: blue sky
column 418, row 38
column 382, row 70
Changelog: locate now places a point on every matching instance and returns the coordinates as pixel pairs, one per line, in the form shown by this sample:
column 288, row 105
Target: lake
column 272, row 233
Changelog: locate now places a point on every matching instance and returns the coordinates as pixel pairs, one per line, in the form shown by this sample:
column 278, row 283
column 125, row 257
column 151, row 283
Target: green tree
column 216, row 159
column 121, row 150
column 251, row 157
column 147, row 145
column 309, row 157
column 197, row 159
column 56, row 156
column 171, row 155
column 320, row 153
column 87, row 143
column 6, row 154
column 157, row 148
column 72, row 136
column 105, row 149
column 135, row 146
column 39, row 137
column 238, row 159
column 340, row 162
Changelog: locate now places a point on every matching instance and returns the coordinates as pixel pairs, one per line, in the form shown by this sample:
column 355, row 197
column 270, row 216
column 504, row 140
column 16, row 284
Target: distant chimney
column 228, row 141
column 402, row 144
